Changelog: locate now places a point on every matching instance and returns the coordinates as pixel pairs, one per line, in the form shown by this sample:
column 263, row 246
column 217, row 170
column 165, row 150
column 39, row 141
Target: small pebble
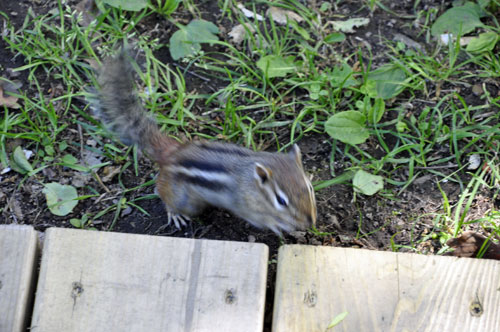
column 126, row 211
column 477, row 89
column 334, row 220
column 12, row 74
column 91, row 142
column 316, row 242
column 80, row 179
column 474, row 162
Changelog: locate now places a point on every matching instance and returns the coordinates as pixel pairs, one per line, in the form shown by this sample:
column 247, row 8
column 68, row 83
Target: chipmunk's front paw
column 178, row 219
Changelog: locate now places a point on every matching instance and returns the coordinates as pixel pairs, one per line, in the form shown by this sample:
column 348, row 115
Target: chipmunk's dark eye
column 281, row 200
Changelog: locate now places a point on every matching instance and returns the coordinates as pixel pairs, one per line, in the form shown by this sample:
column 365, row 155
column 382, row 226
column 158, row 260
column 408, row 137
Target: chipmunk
column 268, row 190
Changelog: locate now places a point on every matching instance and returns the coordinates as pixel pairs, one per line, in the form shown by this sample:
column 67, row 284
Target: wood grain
column 98, row 281
column 18, row 262
column 384, row 291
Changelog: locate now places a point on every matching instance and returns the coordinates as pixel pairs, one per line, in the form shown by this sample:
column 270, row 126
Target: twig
column 437, row 167
column 192, row 73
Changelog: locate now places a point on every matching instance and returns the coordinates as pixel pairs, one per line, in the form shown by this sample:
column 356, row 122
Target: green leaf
column 201, row 31
column 63, row 145
column 342, row 178
column 130, row 5
column 69, row 159
column 401, row 126
column 186, row 41
column 80, row 168
column 335, row 37
column 314, row 90
column 458, row 20
column 50, row 150
column 303, row 32
column 165, row 7
column 79, row 223
column 325, row 6
column 276, row 65
column 483, row 43
column 349, row 25
column 61, row 199
column 367, row 183
column 20, row 160
column 76, row 222
column 369, row 88
column 181, row 46
column 483, row 3
column 337, row 320
column 348, row 127
column 389, row 81
column 341, row 76
column 376, row 111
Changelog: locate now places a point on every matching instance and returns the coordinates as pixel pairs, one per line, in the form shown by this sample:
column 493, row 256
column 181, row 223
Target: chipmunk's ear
column 296, row 155
column 262, row 174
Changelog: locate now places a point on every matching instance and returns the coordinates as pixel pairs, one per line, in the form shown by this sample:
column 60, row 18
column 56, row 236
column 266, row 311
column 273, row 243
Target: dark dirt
column 345, row 220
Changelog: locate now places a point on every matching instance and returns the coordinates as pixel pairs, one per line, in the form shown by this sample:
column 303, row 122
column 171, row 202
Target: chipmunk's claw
column 179, row 220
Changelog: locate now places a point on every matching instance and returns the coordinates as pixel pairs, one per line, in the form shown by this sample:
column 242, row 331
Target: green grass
column 427, row 129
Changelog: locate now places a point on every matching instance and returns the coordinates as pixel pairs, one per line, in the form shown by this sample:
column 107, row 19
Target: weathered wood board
column 98, row 281
column 18, row 263
column 384, row 291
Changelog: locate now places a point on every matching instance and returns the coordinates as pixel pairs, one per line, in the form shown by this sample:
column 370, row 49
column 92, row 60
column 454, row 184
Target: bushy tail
column 120, row 109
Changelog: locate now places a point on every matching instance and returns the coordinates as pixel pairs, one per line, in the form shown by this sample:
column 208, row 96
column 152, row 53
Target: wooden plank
column 98, row 281
column 18, row 262
column 384, row 291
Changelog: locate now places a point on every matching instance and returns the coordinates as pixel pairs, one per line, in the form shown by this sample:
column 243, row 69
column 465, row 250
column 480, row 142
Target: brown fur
column 121, row 110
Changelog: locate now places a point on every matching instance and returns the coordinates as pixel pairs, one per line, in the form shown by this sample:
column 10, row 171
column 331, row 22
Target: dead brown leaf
column 239, row 32
column 8, row 101
column 15, row 207
column 109, row 173
column 281, row 15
